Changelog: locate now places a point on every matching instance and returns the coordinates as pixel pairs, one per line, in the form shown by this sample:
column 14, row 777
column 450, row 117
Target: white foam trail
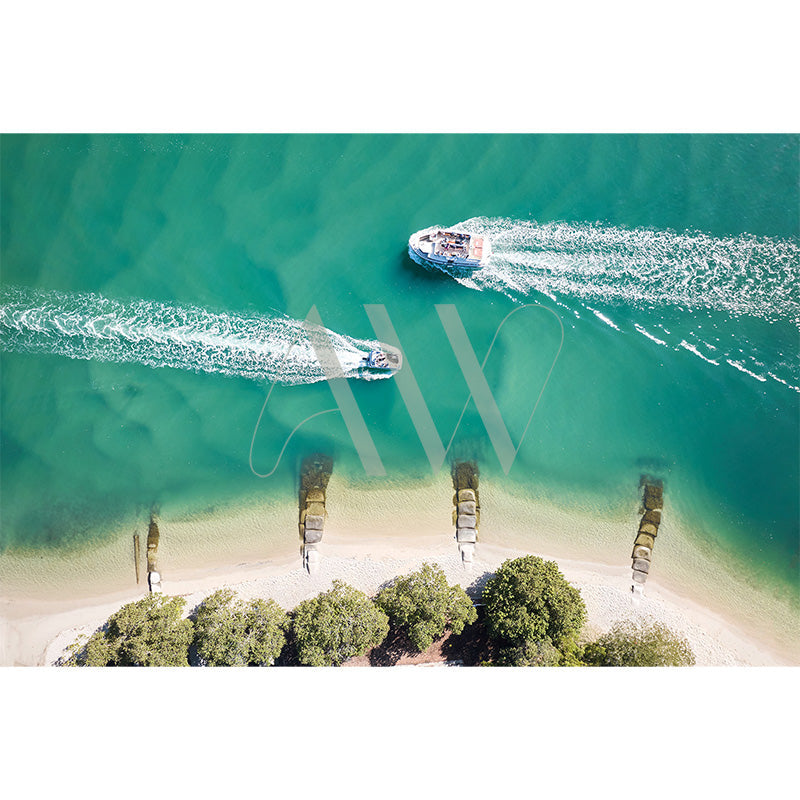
column 785, row 383
column 744, row 369
column 90, row 326
column 692, row 349
column 746, row 274
column 648, row 334
column 606, row 266
column 602, row 317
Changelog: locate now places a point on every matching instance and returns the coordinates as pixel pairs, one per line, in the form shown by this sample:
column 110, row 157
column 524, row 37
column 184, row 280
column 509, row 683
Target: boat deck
column 450, row 248
column 448, row 244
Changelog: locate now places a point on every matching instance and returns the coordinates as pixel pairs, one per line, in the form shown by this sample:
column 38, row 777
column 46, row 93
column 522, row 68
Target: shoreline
column 715, row 640
column 372, row 535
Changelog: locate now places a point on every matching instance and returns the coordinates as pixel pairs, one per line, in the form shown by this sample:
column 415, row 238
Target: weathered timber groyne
column 153, row 575
column 315, row 472
column 652, row 505
column 466, row 511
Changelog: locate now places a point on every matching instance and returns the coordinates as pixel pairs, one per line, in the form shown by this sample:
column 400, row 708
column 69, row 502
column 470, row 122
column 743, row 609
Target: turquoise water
column 151, row 286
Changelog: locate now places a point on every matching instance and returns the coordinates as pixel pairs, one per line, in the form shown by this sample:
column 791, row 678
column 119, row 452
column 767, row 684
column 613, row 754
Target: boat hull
column 448, row 263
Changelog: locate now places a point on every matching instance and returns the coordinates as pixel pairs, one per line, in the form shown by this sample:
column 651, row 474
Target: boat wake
column 746, row 274
column 589, row 266
column 90, row 326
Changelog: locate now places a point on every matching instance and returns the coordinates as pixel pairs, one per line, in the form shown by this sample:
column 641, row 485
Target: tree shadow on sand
column 475, row 589
column 392, row 649
column 472, row 646
column 288, row 656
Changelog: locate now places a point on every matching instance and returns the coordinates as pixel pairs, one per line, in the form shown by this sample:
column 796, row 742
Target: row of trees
column 225, row 630
column 537, row 618
column 532, row 615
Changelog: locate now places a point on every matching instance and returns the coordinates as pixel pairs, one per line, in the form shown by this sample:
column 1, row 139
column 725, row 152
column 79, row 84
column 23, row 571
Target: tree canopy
column 336, row 625
column 528, row 600
column 639, row 644
column 147, row 633
column 229, row 632
column 425, row 605
column 540, row 653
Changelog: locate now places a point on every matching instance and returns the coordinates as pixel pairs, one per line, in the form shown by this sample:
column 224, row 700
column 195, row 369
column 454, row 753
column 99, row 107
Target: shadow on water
column 423, row 273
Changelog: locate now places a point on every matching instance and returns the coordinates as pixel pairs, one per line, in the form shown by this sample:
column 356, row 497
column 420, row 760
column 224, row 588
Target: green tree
column 425, row 605
column 231, row 633
column 528, row 600
column 148, row 633
column 639, row 644
column 530, row 654
column 337, row 625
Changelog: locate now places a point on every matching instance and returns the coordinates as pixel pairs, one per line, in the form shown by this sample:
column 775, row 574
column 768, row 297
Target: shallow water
column 144, row 278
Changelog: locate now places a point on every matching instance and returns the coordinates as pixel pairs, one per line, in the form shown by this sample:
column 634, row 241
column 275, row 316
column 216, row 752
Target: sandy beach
column 726, row 620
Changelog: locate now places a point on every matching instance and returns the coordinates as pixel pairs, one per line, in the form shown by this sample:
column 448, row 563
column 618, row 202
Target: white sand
column 43, row 637
column 726, row 620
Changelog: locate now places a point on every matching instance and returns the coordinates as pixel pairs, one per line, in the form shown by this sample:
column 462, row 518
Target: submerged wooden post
column 136, row 554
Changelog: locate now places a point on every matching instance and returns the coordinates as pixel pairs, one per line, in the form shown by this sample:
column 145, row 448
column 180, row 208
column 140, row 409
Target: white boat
column 383, row 359
column 449, row 249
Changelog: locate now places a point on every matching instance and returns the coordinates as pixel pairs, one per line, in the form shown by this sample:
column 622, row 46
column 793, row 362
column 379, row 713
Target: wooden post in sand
column 136, row 554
